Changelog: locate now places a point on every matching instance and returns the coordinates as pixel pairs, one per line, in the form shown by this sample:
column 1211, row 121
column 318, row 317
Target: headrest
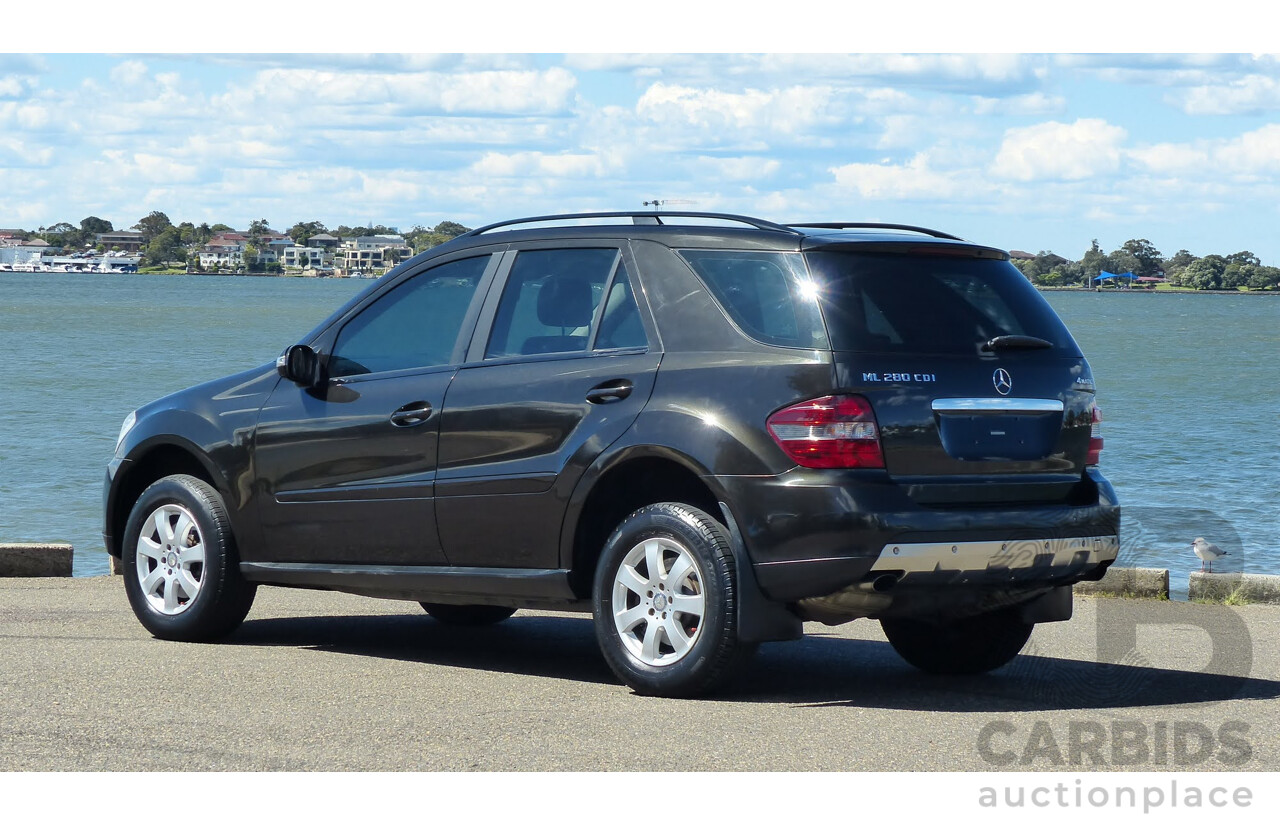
column 565, row 301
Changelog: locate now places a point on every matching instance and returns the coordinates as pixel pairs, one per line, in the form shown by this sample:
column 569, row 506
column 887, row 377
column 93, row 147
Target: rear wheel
column 467, row 615
column 181, row 568
column 665, row 602
column 975, row 644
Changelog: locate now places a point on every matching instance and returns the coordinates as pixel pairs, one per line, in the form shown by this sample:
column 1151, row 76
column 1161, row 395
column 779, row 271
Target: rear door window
column 620, row 325
column 549, row 301
column 878, row 302
column 767, row 294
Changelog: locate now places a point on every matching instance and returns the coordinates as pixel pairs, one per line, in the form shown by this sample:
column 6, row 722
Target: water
column 1190, row 389
column 81, row 351
column 1189, row 384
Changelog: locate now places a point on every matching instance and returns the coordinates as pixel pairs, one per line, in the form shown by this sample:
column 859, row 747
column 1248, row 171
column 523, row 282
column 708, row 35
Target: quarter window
column 414, row 325
column 768, row 294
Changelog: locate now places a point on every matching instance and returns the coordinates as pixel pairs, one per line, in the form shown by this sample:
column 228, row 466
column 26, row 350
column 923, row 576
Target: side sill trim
column 510, row 582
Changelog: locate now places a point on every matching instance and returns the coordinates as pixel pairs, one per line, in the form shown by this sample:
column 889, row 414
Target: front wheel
column 975, row 644
column 665, row 602
column 181, row 570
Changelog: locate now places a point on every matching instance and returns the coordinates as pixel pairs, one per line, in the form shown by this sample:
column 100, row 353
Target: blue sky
column 1024, row 151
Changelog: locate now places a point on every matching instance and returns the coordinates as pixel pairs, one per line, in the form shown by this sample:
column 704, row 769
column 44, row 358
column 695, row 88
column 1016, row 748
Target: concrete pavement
column 328, row 681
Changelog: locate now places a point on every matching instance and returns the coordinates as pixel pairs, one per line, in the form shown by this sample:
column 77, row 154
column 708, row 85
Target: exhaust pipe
column 884, row 583
column 865, row 598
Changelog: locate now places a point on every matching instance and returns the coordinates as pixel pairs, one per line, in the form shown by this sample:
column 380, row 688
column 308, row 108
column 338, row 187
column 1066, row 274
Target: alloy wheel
column 170, row 559
column 658, row 601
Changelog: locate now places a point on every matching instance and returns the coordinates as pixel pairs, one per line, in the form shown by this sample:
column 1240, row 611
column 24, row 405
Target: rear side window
column 882, row 302
column 549, row 301
column 767, row 294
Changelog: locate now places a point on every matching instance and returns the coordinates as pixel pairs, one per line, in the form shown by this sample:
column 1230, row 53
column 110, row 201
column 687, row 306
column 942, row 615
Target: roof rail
column 637, row 218
column 905, row 227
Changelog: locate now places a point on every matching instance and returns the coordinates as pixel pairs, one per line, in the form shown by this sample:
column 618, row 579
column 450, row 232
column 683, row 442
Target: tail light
column 1095, row 439
column 832, row 432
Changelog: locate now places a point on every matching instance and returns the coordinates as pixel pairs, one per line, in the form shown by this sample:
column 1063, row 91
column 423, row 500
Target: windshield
column 935, row 304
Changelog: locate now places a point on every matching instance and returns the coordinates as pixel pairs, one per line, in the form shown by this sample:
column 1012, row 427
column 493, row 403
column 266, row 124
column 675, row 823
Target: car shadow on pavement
column 818, row 670
column 553, row 647
column 826, row 671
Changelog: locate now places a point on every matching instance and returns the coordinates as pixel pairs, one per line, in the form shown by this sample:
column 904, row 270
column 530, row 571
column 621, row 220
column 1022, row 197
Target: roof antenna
column 656, row 204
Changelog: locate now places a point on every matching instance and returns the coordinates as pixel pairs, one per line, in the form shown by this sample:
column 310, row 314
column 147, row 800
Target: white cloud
column 568, row 165
column 888, row 181
column 1170, row 158
column 1063, row 151
column 162, row 169
column 487, row 92
column 12, row 86
column 23, row 153
column 784, row 111
column 129, row 73
column 389, row 188
column 738, row 169
column 1252, row 94
column 1035, row 103
column 29, row 116
column 1253, row 153
column 624, row 62
column 932, row 70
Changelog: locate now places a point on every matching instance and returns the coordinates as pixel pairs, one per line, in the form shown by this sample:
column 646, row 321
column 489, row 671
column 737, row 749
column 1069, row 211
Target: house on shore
column 370, row 253
column 123, row 240
column 324, row 241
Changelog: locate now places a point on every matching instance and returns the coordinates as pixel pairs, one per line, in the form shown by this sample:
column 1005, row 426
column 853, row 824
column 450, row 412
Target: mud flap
column 759, row 618
column 1054, row 606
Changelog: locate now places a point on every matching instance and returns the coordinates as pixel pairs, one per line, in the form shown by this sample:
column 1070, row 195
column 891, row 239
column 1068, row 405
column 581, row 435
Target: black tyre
column 181, row 568
column 975, row 644
column 467, row 615
column 665, row 602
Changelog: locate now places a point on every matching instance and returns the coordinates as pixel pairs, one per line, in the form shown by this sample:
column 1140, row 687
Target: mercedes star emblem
column 1003, row 381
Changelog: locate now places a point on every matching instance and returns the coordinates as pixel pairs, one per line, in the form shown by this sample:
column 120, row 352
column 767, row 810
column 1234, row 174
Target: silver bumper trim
column 994, row 556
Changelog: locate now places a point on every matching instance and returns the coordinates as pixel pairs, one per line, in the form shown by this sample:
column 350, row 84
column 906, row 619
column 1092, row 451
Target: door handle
column 411, row 415
column 615, row 390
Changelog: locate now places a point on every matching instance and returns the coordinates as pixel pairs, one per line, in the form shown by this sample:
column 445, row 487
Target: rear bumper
column 812, row 533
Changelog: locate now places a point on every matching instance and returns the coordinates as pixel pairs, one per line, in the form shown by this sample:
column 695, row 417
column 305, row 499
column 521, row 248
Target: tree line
column 164, row 242
column 1140, row 258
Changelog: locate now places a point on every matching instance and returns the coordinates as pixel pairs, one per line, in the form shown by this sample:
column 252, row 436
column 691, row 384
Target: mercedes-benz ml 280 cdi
column 702, row 429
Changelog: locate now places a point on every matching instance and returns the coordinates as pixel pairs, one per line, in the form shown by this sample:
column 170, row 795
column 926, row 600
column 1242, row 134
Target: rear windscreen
column 883, row 302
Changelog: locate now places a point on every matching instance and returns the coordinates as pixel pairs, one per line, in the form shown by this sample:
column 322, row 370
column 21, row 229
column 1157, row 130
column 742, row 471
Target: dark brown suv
column 703, row 429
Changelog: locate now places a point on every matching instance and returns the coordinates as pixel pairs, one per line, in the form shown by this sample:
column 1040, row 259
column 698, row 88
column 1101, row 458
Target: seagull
column 1207, row 553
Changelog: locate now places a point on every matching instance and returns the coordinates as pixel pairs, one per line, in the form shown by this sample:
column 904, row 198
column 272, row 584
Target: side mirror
column 300, row 364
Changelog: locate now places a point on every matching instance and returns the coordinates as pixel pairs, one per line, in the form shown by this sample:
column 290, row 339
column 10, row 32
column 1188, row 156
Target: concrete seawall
column 1234, row 588
column 1132, row 582
column 1153, row 583
column 35, row 559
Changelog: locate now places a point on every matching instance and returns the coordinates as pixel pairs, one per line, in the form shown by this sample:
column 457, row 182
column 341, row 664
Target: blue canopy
column 1106, row 276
